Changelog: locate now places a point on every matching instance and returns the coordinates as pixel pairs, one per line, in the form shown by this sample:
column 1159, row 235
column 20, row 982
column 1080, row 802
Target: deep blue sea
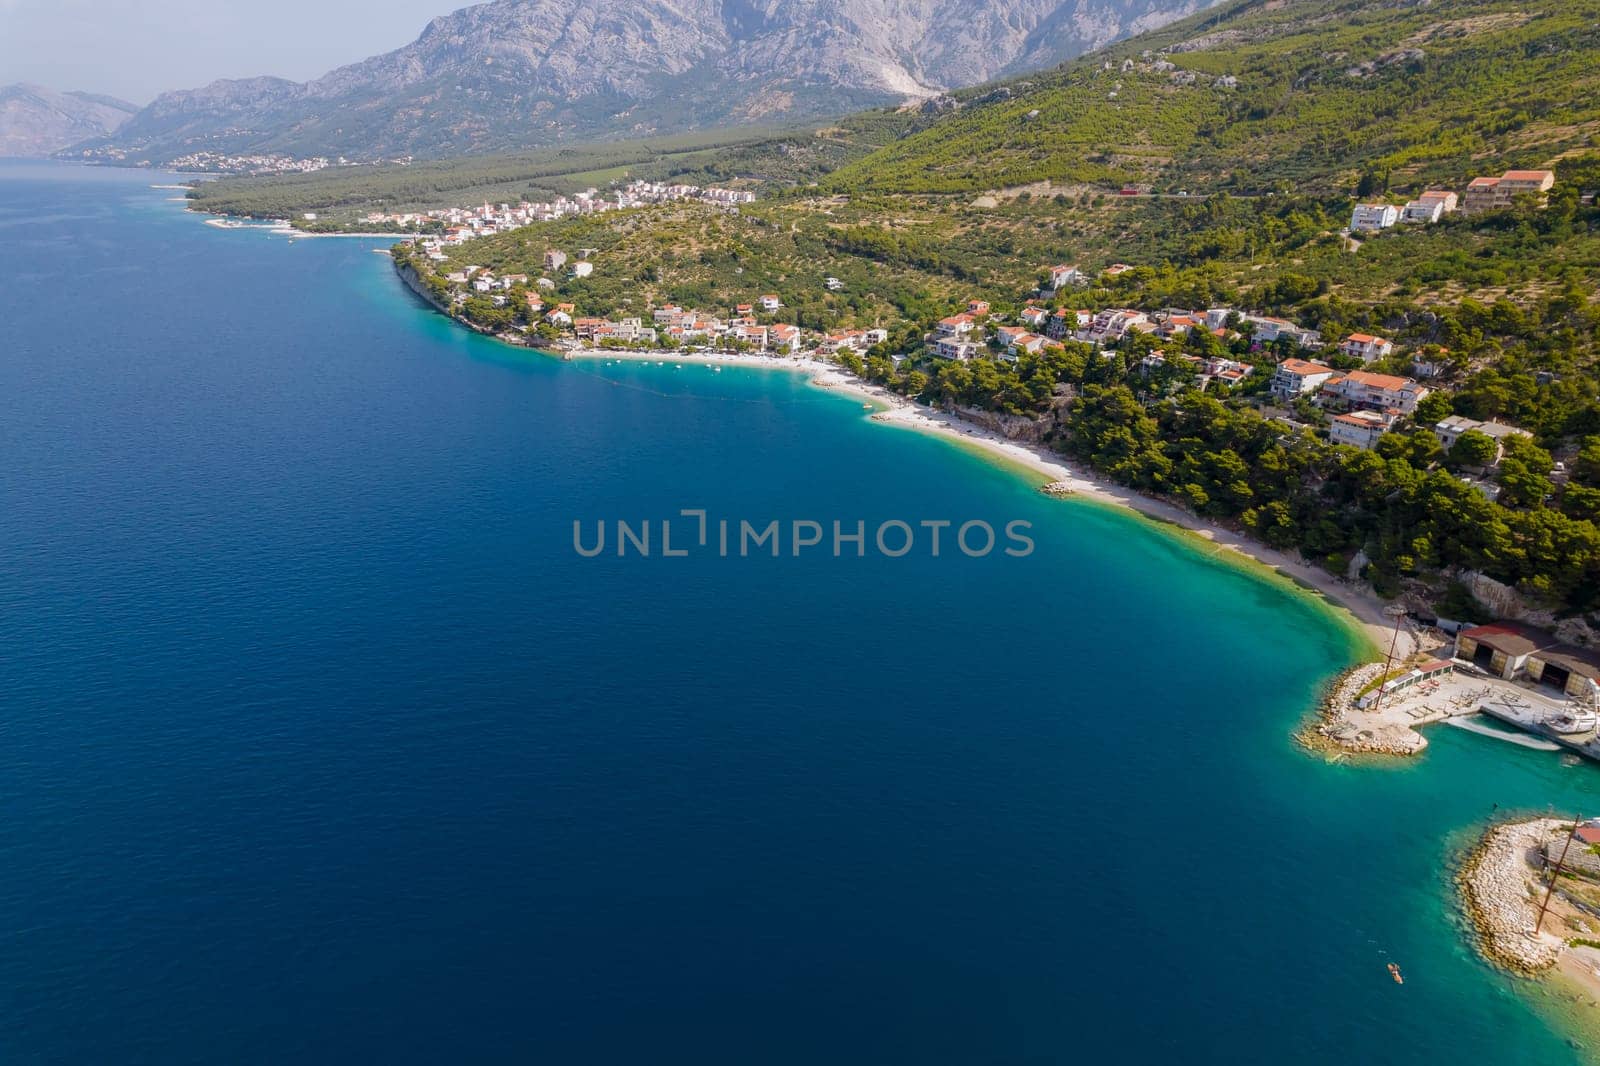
column 319, row 742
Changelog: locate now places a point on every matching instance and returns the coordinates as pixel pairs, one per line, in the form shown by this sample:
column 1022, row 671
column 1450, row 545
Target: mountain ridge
column 511, row 74
column 36, row 121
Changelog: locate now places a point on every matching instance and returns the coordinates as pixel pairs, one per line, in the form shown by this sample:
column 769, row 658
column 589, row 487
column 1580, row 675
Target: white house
column 1031, row 343
column 629, row 329
column 752, row 334
column 1296, row 377
column 1450, row 430
column 1108, row 327
column 1062, row 276
column 1359, row 428
column 1369, row 218
column 1429, row 207
column 785, row 338
column 1227, row 371
column 1269, row 329
column 1366, row 347
column 954, row 348
column 1266, row 327
column 956, row 325
column 1378, row 392
column 770, row 302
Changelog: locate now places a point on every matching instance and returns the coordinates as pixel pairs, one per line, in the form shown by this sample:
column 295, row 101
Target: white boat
column 1573, row 721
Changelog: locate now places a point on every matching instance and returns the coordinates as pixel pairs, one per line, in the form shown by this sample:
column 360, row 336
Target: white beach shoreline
column 284, row 229
column 1348, row 602
column 1355, row 603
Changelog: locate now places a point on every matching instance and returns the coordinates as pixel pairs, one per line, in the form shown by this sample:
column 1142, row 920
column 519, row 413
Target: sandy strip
column 1052, row 467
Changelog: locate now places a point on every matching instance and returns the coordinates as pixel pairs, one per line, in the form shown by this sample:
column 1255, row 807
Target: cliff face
column 35, row 121
column 515, row 73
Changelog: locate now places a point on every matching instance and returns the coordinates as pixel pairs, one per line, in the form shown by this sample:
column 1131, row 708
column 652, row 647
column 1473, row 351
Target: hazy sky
column 137, row 48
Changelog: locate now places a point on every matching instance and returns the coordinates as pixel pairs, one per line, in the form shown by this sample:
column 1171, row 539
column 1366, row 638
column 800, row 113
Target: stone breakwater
column 1501, row 888
column 1341, row 727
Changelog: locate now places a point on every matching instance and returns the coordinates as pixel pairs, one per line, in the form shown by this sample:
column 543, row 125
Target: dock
column 1529, row 712
column 1362, row 717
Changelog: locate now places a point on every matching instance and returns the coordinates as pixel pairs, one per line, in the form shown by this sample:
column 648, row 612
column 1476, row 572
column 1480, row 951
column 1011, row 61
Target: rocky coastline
column 1336, row 729
column 1500, row 887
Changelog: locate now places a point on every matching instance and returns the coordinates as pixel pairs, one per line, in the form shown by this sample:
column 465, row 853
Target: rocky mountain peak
column 515, row 73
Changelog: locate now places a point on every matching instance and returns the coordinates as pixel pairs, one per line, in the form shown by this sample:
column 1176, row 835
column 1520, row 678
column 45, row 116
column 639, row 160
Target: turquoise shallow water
column 320, row 743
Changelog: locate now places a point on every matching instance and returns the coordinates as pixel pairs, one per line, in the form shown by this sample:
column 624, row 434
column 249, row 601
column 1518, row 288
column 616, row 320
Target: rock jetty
column 1500, row 884
column 1340, row 726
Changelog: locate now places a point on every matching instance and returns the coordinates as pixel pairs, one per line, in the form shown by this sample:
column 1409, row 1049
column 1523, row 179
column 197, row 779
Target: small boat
column 1572, row 721
column 866, row 407
column 1394, row 971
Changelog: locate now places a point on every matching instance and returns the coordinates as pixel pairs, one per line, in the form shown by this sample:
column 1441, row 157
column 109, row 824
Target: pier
column 1532, row 713
column 1460, row 693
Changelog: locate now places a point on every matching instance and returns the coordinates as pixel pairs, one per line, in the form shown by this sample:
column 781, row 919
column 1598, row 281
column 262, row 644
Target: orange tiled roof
column 1388, row 382
column 1303, row 366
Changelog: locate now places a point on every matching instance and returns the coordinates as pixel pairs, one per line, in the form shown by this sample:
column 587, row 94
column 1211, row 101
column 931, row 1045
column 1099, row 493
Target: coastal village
column 459, row 225
column 209, row 162
column 1343, row 388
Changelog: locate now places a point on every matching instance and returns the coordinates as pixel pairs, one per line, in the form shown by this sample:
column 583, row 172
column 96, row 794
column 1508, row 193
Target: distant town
column 459, row 224
column 222, row 163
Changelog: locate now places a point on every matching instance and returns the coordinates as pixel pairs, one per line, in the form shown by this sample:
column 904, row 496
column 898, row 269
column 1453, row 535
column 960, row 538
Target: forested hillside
column 1270, row 95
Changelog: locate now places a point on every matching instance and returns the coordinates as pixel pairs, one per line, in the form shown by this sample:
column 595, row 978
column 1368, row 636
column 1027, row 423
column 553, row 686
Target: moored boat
column 1573, row 721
